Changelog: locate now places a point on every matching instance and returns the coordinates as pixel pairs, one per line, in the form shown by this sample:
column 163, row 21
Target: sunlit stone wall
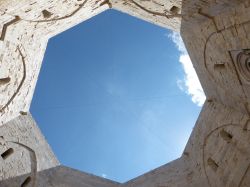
column 216, row 34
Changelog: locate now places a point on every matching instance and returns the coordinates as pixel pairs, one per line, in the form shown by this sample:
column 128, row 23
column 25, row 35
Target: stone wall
column 161, row 12
column 214, row 41
column 216, row 34
column 61, row 176
column 23, row 150
column 217, row 154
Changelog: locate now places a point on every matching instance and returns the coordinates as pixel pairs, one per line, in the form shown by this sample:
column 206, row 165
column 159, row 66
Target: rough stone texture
column 216, row 34
column 23, row 150
column 161, row 12
column 211, row 40
column 210, row 157
column 26, row 26
column 61, row 176
column 25, row 29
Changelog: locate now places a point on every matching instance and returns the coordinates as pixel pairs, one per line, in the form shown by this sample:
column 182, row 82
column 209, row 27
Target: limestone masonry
column 217, row 36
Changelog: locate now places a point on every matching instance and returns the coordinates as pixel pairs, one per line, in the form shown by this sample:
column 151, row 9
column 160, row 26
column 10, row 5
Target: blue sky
column 112, row 97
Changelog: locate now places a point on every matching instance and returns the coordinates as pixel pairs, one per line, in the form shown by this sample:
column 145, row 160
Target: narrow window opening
column 219, row 66
column 226, row 136
column 23, row 113
column 46, row 14
column 5, row 80
column 212, row 164
column 26, row 182
column 7, row 153
column 174, row 10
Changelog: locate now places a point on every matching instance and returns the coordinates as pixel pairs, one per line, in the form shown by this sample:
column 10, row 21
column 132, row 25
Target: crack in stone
column 64, row 17
column 168, row 16
column 33, row 160
column 20, row 85
column 53, row 19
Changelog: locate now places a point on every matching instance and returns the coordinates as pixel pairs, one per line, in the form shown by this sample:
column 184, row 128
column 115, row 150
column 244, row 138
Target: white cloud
column 104, row 176
column 190, row 83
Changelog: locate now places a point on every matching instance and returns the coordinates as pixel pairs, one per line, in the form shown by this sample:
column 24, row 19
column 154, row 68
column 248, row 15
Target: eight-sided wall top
column 216, row 34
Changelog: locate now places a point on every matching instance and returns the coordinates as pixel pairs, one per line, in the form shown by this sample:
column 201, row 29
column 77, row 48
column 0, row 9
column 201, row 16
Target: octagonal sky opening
column 111, row 98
